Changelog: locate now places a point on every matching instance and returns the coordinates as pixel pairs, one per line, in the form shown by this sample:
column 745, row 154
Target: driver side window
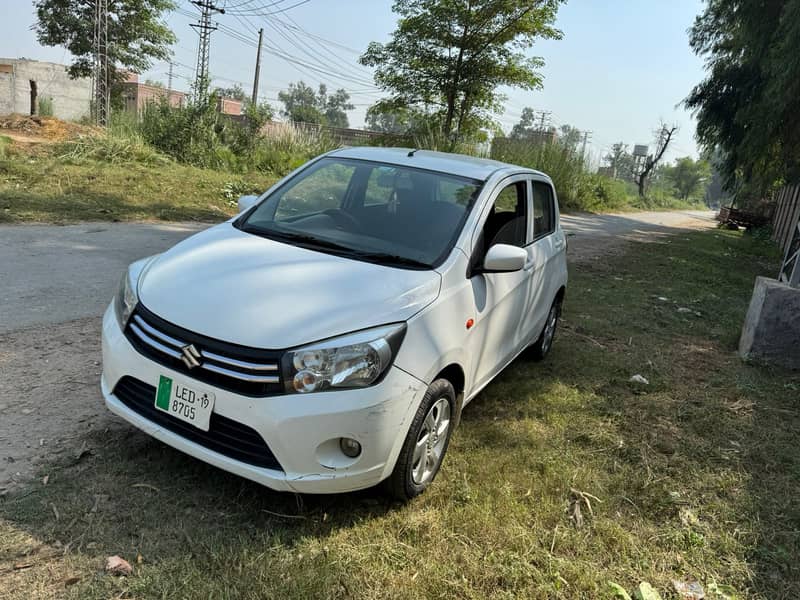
column 323, row 189
column 508, row 221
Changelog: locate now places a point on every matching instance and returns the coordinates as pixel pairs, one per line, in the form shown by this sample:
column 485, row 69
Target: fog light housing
column 350, row 447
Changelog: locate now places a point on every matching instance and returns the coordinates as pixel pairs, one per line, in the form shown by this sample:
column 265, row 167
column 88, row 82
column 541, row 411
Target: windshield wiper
column 313, row 243
column 305, row 240
column 393, row 259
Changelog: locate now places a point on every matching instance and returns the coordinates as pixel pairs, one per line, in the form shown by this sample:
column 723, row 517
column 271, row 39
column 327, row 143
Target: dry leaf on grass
column 689, row 590
column 116, row 565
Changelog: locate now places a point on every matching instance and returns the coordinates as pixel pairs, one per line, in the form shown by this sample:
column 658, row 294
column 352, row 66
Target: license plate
column 185, row 402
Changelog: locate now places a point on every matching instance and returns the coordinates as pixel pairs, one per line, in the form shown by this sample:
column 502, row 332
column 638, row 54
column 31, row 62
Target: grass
column 696, row 475
column 114, row 181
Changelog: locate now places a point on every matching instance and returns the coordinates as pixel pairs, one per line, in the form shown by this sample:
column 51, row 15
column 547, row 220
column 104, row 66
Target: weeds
column 111, row 148
column 44, row 107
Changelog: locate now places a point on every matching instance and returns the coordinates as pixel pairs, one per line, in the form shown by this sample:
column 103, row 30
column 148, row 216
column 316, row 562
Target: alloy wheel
column 431, row 442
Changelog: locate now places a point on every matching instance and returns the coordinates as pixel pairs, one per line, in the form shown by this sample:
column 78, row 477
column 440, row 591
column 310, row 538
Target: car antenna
column 411, row 153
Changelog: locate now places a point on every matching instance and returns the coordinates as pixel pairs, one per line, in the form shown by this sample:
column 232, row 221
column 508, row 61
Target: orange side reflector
column 470, row 323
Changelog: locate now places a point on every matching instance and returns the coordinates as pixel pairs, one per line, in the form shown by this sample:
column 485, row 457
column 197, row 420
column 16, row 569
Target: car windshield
column 370, row 211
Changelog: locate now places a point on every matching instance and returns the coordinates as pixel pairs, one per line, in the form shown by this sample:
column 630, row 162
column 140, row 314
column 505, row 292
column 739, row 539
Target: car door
column 545, row 247
column 500, row 298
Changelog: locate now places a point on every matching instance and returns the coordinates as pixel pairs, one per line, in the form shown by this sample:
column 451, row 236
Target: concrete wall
column 771, row 331
column 71, row 97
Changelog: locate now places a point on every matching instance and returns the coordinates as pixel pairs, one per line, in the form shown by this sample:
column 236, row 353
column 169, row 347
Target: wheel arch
column 454, row 373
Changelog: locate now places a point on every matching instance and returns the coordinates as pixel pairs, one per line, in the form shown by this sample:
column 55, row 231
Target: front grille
column 248, row 371
column 224, row 436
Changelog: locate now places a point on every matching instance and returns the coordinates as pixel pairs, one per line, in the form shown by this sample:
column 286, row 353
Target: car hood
column 244, row 289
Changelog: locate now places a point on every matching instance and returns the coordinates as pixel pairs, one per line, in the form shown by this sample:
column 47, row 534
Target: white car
column 328, row 338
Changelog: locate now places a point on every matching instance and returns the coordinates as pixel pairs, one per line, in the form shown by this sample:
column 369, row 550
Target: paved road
column 53, row 274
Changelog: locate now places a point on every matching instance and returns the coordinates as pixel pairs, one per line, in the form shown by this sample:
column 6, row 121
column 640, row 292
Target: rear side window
column 544, row 211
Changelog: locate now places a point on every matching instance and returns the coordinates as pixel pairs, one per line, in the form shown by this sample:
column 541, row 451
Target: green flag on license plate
column 164, row 392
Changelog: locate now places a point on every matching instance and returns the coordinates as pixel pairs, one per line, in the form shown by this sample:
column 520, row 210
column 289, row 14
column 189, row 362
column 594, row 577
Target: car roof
column 444, row 162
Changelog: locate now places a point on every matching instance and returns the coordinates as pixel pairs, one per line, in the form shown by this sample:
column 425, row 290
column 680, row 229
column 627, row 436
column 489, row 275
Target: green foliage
column 566, row 168
column 747, row 104
column 235, row 91
column 450, row 56
column 44, row 107
column 136, row 33
column 687, row 176
column 303, row 105
column 5, row 144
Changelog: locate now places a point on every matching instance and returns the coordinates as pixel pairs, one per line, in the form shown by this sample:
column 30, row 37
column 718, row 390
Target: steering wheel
column 344, row 220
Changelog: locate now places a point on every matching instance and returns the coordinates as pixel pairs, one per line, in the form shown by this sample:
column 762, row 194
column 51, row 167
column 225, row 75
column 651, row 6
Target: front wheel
column 426, row 443
column 542, row 346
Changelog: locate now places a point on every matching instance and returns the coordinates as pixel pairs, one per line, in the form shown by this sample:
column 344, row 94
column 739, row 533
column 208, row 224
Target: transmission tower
column 100, row 70
column 204, row 28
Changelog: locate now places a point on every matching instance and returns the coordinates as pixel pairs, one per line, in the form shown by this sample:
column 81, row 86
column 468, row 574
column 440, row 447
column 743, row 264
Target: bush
column 282, row 147
column 566, row 168
column 110, row 148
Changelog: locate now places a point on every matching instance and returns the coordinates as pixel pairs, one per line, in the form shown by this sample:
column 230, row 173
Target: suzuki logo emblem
column 190, row 356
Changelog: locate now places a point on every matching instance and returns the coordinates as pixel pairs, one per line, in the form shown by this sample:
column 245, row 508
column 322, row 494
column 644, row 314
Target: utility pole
column 258, row 67
column 169, row 80
column 545, row 117
column 100, row 69
column 587, row 135
column 204, row 29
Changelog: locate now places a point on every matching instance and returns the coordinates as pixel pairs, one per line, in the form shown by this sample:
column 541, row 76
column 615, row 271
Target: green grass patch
column 696, row 475
column 115, row 180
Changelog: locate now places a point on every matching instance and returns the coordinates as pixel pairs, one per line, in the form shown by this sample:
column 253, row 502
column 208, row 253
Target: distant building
column 24, row 83
column 137, row 95
column 229, row 106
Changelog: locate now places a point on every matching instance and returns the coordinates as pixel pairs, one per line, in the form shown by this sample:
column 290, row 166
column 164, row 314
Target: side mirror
column 246, row 202
column 504, row 258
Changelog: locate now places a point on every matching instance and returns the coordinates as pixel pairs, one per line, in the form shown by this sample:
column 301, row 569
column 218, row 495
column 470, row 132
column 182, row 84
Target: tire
column 541, row 347
column 422, row 454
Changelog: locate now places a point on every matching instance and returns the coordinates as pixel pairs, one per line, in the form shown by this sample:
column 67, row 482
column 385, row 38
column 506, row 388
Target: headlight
column 352, row 361
column 127, row 297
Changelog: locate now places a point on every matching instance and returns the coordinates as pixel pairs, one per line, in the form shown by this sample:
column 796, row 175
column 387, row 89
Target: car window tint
column 322, row 189
column 507, row 223
column 380, row 186
column 543, row 210
column 455, row 192
column 370, row 207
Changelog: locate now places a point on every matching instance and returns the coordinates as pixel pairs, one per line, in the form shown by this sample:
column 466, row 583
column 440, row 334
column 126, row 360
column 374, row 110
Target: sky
column 621, row 67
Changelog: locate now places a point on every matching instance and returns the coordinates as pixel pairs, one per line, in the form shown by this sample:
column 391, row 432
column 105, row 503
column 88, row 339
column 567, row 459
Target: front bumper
column 302, row 430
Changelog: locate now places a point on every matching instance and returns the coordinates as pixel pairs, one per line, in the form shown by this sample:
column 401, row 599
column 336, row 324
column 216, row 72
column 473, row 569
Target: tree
column 136, row 34
column 570, row 137
column 747, row 104
column 688, row 175
column 386, row 117
column 620, row 160
column 235, row 92
column 526, row 127
column 450, row 56
column 334, row 106
column 663, row 138
column 303, row 105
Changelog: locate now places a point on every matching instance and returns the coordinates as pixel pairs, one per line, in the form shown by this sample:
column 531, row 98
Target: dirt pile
column 43, row 129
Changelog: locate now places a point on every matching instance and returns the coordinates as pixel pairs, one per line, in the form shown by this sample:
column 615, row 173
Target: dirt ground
column 49, row 375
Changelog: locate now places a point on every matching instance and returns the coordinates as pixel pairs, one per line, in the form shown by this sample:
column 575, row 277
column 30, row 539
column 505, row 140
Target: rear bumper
column 301, row 430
